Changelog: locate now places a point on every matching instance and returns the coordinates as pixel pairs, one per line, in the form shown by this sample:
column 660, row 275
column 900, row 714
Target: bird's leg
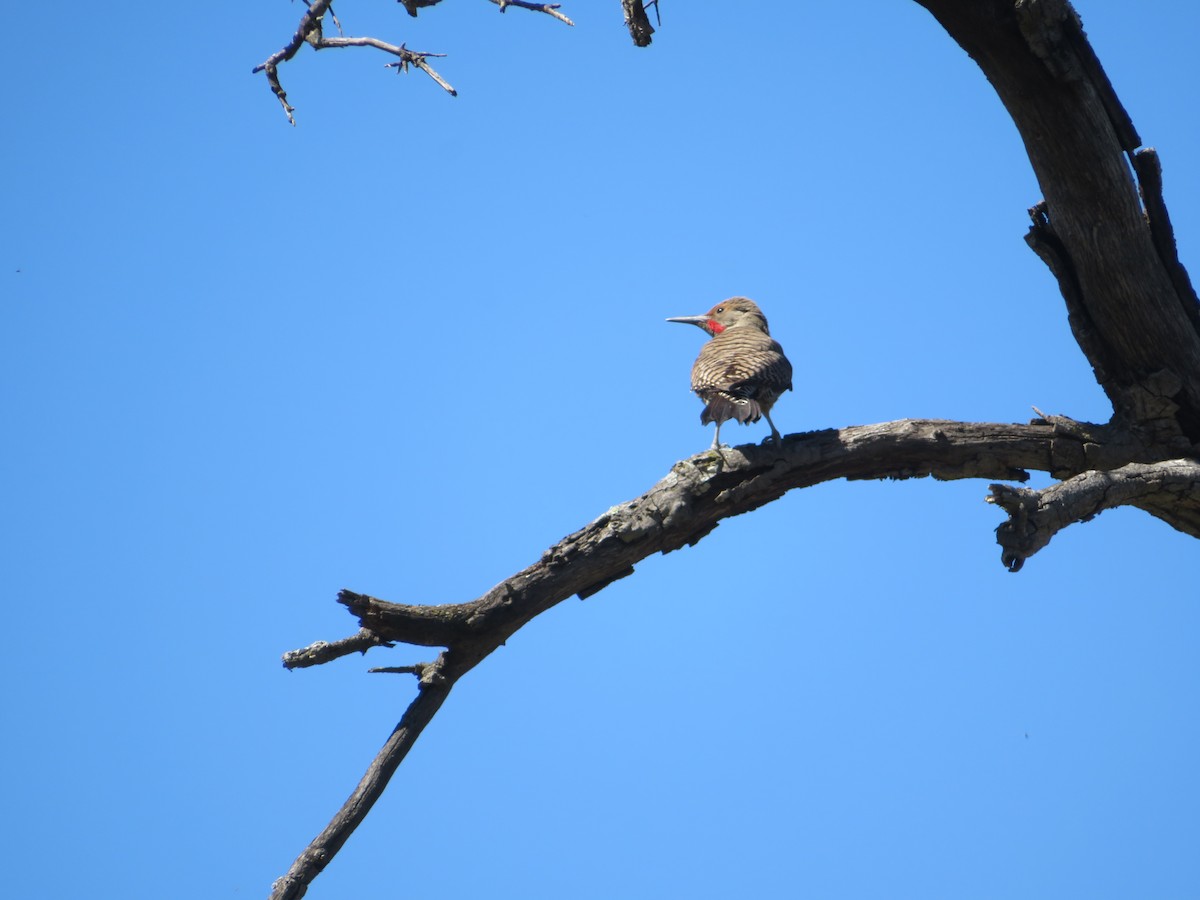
column 717, row 438
column 774, row 431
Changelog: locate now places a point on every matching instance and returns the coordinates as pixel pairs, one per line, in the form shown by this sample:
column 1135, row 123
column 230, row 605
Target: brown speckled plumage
column 742, row 371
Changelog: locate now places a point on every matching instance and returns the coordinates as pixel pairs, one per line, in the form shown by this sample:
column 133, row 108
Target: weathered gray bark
column 1131, row 305
column 1036, row 516
column 1104, row 232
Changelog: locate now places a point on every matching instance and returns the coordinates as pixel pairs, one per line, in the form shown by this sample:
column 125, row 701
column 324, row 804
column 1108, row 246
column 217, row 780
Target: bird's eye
column 720, row 309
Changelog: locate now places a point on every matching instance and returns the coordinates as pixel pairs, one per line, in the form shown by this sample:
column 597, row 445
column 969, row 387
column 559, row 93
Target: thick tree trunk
column 1131, row 305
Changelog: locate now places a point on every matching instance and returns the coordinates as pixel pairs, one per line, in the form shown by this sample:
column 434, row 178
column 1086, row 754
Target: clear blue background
column 412, row 342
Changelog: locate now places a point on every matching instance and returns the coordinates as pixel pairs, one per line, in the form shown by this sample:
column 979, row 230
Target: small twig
column 326, row 651
column 550, row 9
column 418, row 60
column 417, row 669
column 308, row 22
column 336, row 23
column 332, row 15
column 407, row 57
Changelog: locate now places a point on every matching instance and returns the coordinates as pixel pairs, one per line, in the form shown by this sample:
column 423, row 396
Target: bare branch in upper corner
column 309, row 31
column 550, row 9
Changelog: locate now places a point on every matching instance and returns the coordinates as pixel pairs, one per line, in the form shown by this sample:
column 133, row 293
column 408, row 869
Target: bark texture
column 1131, row 305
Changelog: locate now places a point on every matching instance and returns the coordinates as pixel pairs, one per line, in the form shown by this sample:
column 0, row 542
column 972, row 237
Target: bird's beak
column 698, row 321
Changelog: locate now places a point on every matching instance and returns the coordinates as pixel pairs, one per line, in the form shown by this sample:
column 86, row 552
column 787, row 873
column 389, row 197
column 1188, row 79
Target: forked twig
column 309, row 32
column 550, row 9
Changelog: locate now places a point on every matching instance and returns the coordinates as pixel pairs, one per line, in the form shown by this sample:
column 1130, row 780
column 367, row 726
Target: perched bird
column 741, row 372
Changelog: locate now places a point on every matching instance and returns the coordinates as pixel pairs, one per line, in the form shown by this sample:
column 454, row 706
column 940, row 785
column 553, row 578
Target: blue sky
column 410, row 343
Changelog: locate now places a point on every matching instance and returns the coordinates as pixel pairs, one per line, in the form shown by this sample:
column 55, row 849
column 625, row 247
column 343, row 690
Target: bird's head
column 735, row 312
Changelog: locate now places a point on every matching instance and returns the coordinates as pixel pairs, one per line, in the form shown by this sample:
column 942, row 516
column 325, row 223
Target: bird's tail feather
column 722, row 408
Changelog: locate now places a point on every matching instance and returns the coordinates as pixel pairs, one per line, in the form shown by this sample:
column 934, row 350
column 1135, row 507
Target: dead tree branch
column 637, row 22
column 1150, row 184
column 430, row 697
column 308, row 22
column 324, row 651
column 1034, row 517
column 550, row 9
column 1129, row 300
column 310, row 31
column 701, row 491
column 679, row 511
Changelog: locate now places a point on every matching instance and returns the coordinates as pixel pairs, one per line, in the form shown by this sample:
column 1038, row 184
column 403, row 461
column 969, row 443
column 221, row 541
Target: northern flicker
column 741, row 372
